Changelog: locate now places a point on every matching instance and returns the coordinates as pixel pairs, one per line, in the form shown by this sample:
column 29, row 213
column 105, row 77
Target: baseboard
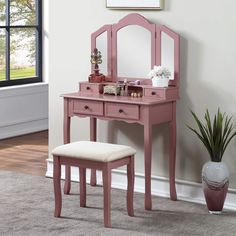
column 24, row 109
column 186, row 190
column 23, row 127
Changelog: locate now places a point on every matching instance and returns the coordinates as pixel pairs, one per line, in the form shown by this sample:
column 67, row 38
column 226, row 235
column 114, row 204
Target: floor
column 27, row 204
column 29, row 213
column 25, row 154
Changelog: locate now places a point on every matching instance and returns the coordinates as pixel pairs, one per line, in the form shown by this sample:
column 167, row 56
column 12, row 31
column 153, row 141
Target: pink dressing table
column 156, row 106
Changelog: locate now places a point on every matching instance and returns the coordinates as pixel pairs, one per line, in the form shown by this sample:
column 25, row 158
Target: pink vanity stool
column 99, row 156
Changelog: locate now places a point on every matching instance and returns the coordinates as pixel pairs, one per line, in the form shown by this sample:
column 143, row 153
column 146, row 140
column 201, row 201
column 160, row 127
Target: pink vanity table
column 156, row 106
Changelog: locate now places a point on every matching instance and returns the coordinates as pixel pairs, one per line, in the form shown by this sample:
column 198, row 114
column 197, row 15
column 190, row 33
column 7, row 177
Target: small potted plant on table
column 159, row 76
column 215, row 136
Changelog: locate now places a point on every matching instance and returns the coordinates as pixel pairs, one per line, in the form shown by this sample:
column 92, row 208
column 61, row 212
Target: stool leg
column 106, row 175
column 93, row 179
column 82, row 177
column 67, row 179
column 130, row 190
column 57, row 185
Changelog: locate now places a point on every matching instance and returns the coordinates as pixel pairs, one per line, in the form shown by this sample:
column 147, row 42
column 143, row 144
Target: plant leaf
column 202, row 139
column 214, row 135
column 228, row 141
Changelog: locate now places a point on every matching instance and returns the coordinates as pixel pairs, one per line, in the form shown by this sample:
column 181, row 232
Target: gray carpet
column 27, row 204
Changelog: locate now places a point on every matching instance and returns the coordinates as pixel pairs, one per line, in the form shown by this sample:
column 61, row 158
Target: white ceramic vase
column 215, row 181
column 160, row 81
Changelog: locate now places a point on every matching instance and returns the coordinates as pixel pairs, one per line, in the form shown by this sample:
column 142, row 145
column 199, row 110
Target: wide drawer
column 123, row 111
column 88, row 107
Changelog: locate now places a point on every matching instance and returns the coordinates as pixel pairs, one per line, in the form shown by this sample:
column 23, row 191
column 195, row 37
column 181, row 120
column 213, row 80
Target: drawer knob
column 121, row 111
column 86, row 107
column 153, row 93
column 88, row 88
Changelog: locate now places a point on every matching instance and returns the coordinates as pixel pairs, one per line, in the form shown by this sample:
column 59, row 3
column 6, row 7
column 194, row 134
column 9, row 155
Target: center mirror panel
column 133, row 52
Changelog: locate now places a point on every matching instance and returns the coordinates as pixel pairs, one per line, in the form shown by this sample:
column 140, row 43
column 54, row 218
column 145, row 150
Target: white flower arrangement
column 159, row 71
column 160, row 76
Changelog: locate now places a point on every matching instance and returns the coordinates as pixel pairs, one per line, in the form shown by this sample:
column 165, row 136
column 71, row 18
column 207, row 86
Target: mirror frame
column 155, row 30
column 132, row 19
column 94, row 36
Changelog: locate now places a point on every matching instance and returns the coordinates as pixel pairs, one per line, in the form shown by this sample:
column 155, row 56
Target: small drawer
column 155, row 93
column 94, row 88
column 124, row 111
column 88, row 107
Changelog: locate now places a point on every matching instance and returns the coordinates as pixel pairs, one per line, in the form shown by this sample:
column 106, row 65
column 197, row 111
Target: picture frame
column 132, row 4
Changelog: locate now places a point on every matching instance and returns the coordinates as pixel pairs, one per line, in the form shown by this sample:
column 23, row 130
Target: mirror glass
column 167, row 53
column 101, row 44
column 133, row 52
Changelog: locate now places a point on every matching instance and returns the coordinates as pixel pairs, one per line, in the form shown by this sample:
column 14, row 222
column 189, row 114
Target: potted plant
column 159, row 76
column 215, row 136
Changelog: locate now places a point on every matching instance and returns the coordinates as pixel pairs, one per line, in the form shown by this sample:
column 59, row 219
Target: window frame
column 38, row 42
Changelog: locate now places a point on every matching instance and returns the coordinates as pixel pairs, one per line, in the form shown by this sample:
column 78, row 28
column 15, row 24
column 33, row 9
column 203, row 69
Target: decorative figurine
column 96, row 58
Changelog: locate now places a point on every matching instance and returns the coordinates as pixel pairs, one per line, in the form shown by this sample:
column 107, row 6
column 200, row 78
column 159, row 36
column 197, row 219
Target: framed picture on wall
column 133, row 4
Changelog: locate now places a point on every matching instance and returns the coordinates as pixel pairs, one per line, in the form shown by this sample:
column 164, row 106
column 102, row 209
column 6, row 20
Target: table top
column 118, row 99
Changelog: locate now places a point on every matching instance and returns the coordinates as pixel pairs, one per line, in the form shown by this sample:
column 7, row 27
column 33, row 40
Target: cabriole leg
column 106, row 174
column 172, row 154
column 82, row 176
column 130, row 190
column 57, row 185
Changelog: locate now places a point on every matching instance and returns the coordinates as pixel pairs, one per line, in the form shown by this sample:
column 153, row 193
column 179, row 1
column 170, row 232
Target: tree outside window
column 20, row 42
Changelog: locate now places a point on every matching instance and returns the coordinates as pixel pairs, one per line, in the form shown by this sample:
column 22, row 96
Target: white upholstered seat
column 96, row 151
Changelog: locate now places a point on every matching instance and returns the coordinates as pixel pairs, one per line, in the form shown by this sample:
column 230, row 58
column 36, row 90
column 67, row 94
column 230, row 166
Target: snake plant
column 215, row 135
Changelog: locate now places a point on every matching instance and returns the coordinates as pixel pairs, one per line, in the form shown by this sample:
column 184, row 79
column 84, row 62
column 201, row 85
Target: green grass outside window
column 19, row 73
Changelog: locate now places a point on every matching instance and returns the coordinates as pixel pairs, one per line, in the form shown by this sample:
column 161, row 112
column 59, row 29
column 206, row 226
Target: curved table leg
column 172, row 154
column 66, row 130
column 148, row 160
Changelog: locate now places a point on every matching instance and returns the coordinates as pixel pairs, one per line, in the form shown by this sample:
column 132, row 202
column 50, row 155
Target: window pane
column 22, row 12
column 23, row 53
column 2, row 55
column 2, row 12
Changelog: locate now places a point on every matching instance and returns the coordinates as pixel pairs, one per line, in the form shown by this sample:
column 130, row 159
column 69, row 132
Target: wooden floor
column 25, row 154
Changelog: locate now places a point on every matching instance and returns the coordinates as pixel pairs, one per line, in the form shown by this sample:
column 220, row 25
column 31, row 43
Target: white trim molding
column 23, row 127
column 141, row 4
column 26, row 89
column 24, row 109
column 186, row 190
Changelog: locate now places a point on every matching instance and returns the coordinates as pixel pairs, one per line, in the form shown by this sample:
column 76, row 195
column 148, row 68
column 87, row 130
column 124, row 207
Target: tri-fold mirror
column 131, row 47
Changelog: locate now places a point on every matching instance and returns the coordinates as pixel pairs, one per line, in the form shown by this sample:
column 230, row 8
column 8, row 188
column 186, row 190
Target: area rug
column 27, row 205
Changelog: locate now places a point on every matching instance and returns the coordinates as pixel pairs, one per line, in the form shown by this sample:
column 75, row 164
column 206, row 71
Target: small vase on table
column 160, row 76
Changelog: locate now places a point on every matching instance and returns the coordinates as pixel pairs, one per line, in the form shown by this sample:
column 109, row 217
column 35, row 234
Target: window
column 20, row 42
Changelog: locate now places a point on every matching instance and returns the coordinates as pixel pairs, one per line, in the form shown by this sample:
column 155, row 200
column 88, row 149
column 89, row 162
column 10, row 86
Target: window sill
column 19, row 90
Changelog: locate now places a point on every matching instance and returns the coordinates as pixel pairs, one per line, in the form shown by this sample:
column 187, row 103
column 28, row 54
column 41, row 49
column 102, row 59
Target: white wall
column 208, row 75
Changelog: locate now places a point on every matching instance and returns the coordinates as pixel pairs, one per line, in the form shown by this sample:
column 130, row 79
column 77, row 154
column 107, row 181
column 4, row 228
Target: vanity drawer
column 162, row 93
column 155, row 93
column 88, row 107
column 94, row 88
column 124, row 111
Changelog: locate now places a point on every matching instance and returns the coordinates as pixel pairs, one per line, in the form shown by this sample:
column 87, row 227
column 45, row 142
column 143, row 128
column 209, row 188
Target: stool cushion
column 88, row 150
